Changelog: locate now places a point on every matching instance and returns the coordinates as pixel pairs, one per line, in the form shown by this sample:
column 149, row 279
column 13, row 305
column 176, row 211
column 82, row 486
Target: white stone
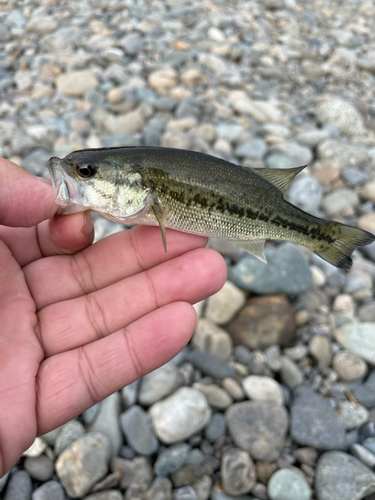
column 225, row 304
column 262, row 389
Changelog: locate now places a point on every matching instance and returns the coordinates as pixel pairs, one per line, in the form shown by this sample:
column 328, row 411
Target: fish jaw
column 66, row 189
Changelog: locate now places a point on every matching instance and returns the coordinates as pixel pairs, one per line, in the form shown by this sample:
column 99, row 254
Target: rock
column 341, row 114
column 237, row 471
column 278, row 160
column 181, row 415
column 352, row 416
column 105, row 495
column 231, row 132
column 37, row 448
column 163, row 80
column 358, row 338
column 354, row 177
column 136, row 474
column 162, row 490
column 366, row 312
column 83, row 463
column 341, row 201
column 192, row 77
column 340, row 476
column 340, row 155
column 210, row 365
column 132, row 44
column 254, row 149
column 69, row 432
column 40, row 468
column 130, row 393
column 233, row 388
column 189, row 473
column 369, row 444
column 363, row 454
column 290, row 373
column 343, row 303
column 286, row 484
column 263, row 322
column 367, row 222
column 137, row 427
column 261, row 111
column 107, row 421
column 262, row 389
column 128, row 123
column 225, row 304
column 19, row 486
column 258, row 427
column 42, row 24
column 202, row 487
column 216, row 428
column 158, row 384
column 306, row 193
column 212, row 339
column 185, row 493
column 320, row 349
column 300, row 155
column 52, row 490
column 312, row 138
column 171, row 459
column 365, row 393
column 216, row 396
column 286, row 272
column 77, row 83
column 349, row 366
column 314, row 422
column 306, row 455
column 367, row 192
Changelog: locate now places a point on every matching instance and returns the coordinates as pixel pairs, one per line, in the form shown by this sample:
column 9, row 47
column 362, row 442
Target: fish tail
column 340, row 243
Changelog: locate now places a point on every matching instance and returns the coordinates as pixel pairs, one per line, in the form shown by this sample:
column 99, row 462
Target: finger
column 25, row 200
column 62, row 234
column 72, row 323
column 72, row 381
column 116, row 257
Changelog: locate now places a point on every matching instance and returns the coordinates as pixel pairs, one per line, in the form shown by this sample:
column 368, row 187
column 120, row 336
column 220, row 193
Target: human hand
column 80, row 321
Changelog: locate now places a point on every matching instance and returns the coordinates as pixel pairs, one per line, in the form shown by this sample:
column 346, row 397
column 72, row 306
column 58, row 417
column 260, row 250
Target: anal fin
column 159, row 214
column 255, row 247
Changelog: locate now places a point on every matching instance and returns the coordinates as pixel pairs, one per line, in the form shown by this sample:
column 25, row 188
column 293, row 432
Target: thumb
column 25, row 200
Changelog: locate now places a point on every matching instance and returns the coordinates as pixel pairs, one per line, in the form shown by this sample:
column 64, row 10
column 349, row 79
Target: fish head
column 85, row 181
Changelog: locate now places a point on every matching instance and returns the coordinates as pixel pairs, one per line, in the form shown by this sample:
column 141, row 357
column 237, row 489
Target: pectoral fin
column 255, row 247
column 281, row 178
column 159, row 214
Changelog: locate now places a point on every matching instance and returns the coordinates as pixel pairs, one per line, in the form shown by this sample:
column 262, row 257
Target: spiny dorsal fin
column 255, row 247
column 281, row 178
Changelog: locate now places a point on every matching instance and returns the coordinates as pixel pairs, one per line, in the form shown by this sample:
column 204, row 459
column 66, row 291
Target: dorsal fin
column 255, row 247
column 281, row 178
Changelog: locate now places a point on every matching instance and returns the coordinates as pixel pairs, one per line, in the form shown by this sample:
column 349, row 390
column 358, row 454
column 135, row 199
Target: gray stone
column 212, row 339
column 132, row 44
column 369, row 443
column 171, row 459
column 91, row 413
column 342, row 114
column 216, row 428
column 224, row 305
column 314, row 422
column 19, row 486
column 338, row 154
column 340, row 476
column 52, row 490
column 366, row 312
column 340, row 201
column 354, row 177
column 136, row 474
column 262, row 389
column 3, row 481
column 202, row 487
column 216, row 396
column 84, row 463
column 210, row 365
column 306, row 193
column 107, row 421
column 77, row 83
column 130, row 393
column 69, row 432
column 137, row 427
column 36, row 162
column 105, row 495
column 158, row 384
column 230, row 132
column 287, row 272
column 352, row 416
column 365, row 393
column 320, row 349
column 290, row 373
column 286, row 484
column 349, row 366
column 161, row 490
column 258, row 427
column 40, row 468
column 278, row 160
column 312, row 138
column 181, row 415
column 237, row 471
column 363, row 454
column 184, row 493
column 359, row 338
column 255, row 149
column 300, row 155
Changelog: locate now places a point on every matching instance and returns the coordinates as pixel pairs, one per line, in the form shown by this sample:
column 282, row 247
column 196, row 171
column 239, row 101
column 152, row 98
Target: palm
column 75, row 328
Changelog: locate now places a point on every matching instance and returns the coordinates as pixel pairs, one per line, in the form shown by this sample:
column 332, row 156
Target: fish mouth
column 64, row 186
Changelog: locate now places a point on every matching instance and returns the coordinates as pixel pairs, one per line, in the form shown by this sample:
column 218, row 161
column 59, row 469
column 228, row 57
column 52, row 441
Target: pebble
column 337, row 475
column 320, row 349
column 130, row 393
column 137, row 427
column 233, row 388
column 262, row 389
column 365, row 393
column 314, row 422
column 83, row 463
column 340, row 201
column 40, row 468
column 184, row 493
column 369, row 444
column 358, row 338
column 352, row 416
column 286, row 484
column 263, row 322
column 258, row 427
column 287, row 272
column 225, row 304
column 367, row 222
column 343, row 303
column 19, row 486
column 136, row 474
column 306, row 193
column 216, row 428
column 181, row 415
column 212, row 339
column 68, row 433
column 290, row 373
column 340, row 155
column 254, row 149
column 76, row 83
column 342, row 114
column 311, row 138
column 105, row 495
column 107, row 421
column 163, row 80
column 366, row 312
column 209, row 365
column 216, row 396
column 300, row 155
column 349, row 366
column 237, row 472
column 171, row 459
column 158, row 384
column 367, row 192
column 52, row 490
column 162, row 490
column 363, row 454
column 36, row 449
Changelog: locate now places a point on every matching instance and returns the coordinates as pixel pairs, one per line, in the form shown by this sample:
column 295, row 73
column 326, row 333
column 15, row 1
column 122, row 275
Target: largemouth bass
column 200, row 194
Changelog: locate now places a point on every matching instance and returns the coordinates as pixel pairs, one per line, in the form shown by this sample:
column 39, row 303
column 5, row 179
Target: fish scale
column 200, row 194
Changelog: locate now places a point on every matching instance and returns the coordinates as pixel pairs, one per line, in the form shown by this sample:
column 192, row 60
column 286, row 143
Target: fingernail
column 88, row 226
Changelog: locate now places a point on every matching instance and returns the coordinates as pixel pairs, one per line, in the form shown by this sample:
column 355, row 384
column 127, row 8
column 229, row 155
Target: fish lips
column 64, row 188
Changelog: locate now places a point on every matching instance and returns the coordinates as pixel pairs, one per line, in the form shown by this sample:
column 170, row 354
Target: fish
column 200, row 194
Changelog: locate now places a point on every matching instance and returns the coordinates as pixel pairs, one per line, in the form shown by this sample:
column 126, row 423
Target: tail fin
column 346, row 240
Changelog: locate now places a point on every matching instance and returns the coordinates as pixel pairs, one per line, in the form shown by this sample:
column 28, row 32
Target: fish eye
column 85, row 170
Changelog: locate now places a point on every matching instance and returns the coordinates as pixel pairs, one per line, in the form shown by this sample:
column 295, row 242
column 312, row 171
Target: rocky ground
column 275, row 396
